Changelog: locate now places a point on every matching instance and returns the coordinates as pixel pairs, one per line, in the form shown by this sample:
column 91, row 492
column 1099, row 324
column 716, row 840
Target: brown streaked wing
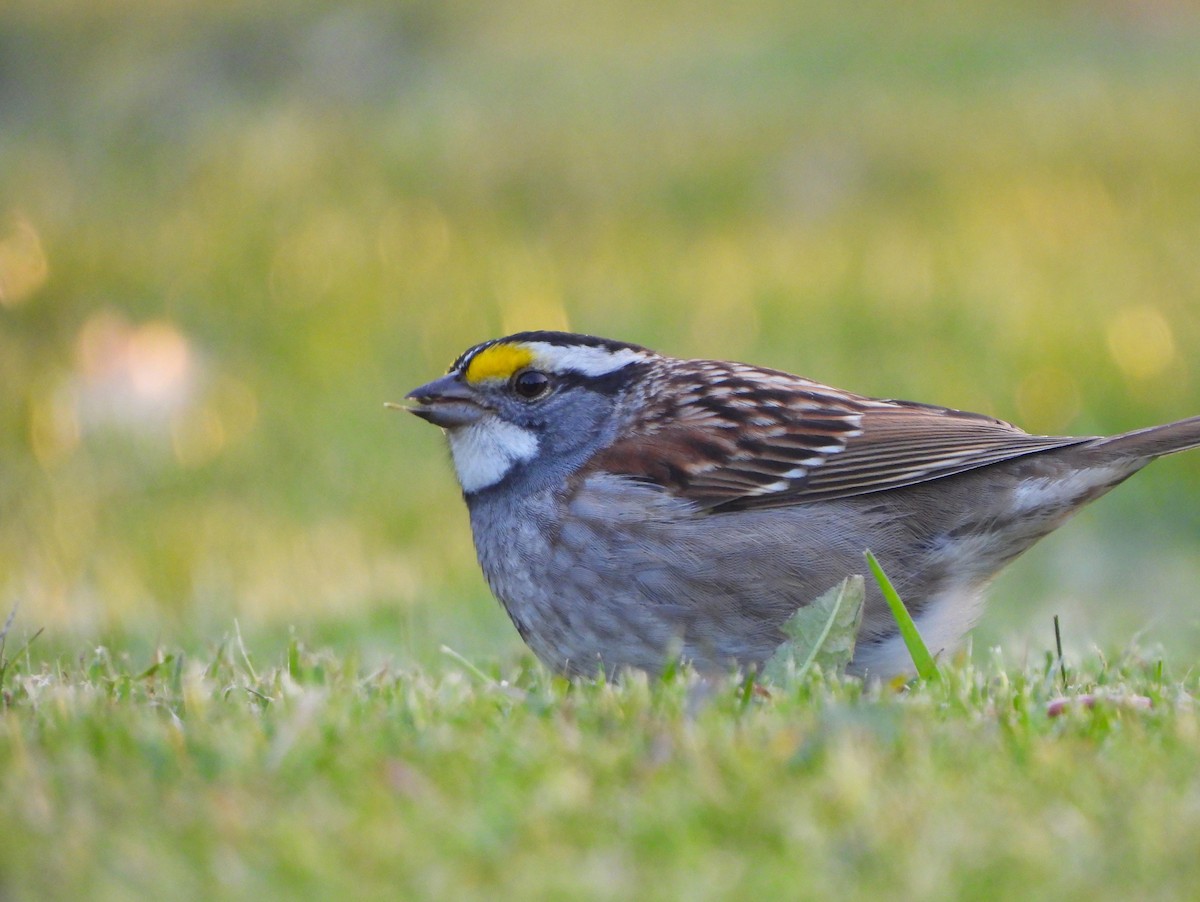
column 732, row 437
column 904, row 444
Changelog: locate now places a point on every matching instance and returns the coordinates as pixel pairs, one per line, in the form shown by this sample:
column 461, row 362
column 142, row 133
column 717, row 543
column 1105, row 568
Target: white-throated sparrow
column 627, row 505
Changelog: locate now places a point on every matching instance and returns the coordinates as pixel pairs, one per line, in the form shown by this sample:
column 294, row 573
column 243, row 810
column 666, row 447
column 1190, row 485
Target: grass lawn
column 211, row 775
column 229, row 232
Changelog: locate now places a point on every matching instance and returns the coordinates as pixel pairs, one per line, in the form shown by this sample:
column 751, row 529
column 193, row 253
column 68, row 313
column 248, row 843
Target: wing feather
column 733, row 437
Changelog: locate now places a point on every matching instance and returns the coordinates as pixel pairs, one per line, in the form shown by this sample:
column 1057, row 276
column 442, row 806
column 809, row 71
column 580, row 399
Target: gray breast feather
column 659, row 575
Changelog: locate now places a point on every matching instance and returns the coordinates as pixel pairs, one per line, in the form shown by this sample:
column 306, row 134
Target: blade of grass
column 917, row 650
column 1062, row 664
column 470, row 667
column 237, row 632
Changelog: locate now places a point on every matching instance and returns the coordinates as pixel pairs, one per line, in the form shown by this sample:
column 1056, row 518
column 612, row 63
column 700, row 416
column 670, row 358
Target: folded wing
column 729, row 436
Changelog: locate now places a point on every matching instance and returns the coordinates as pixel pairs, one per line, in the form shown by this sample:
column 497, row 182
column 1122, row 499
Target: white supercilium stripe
column 581, row 359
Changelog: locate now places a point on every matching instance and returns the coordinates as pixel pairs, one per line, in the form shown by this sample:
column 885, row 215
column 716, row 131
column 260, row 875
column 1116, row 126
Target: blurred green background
column 230, row 231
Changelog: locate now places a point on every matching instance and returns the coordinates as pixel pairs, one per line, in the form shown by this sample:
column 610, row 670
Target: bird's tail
column 1154, row 441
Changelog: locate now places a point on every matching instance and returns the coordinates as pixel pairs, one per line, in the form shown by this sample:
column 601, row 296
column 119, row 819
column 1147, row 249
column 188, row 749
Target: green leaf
column 823, row 633
column 922, row 660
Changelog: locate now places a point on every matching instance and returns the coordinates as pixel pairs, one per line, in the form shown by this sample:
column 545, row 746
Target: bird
column 630, row 509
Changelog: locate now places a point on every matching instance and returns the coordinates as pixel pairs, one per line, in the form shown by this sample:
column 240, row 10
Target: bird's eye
column 531, row 384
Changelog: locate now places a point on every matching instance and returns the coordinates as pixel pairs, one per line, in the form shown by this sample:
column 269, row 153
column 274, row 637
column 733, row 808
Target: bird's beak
column 445, row 402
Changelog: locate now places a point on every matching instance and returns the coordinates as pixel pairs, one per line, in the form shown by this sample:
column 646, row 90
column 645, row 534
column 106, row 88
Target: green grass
column 217, row 775
column 923, row 661
column 230, row 232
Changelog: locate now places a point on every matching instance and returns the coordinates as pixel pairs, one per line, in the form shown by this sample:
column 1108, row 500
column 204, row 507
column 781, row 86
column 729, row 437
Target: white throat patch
column 485, row 451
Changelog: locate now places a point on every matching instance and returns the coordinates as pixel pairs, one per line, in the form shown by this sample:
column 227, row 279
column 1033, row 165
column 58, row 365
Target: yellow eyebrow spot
column 498, row 362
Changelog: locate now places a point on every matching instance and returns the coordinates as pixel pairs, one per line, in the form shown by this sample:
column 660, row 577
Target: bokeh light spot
column 158, row 360
column 1140, row 341
column 53, row 426
column 133, row 374
column 23, row 265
